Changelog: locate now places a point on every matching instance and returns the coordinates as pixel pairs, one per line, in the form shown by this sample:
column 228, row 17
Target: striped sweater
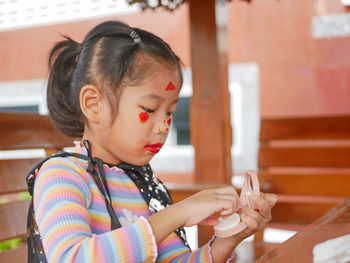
column 75, row 226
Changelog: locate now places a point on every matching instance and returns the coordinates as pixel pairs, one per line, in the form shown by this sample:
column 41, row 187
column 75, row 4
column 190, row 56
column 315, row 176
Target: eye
column 148, row 110
column 170, row 114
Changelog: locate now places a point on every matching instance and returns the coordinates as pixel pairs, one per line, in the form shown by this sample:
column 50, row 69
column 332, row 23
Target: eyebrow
column 157, row 97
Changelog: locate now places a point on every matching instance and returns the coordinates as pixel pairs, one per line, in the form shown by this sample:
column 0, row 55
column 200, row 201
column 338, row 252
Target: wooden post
column 210, row 103
column 210, row 106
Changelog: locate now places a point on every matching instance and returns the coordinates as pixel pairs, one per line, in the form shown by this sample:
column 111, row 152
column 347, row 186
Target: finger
column 210, row 221
column 251, row 223
column 246, row 211
column 224, row 206
column 227, row 190
column 271, row 199
column 263, row 208
column 232, row 198
column 227, row 212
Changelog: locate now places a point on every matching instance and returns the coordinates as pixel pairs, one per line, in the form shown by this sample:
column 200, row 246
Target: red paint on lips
column 154, row 148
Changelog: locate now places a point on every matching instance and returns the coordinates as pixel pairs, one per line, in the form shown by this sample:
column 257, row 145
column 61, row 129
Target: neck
column 97, row 149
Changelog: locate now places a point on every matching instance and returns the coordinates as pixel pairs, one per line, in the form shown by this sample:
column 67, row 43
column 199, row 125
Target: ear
column 90, row 99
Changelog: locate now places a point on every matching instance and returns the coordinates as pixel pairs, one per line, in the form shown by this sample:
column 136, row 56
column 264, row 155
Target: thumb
column 271, row 199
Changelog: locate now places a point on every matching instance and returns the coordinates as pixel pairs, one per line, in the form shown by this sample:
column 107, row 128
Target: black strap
column 152, row 190
column 103, row 177
column 30, row 178
column 95, row 175
column 100, row 179
column 36, row 252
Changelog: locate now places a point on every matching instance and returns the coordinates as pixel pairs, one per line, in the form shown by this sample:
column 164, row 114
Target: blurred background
column 286, row 58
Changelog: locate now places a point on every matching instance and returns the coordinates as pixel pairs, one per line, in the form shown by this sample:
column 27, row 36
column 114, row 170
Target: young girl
column 117, row 91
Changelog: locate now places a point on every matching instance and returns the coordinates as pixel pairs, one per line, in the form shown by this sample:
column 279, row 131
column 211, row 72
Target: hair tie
column 79, row 46
column 135, row 36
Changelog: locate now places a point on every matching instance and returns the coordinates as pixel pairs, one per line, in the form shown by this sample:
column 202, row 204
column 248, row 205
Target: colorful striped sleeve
column 172, row 249
column 61, row 200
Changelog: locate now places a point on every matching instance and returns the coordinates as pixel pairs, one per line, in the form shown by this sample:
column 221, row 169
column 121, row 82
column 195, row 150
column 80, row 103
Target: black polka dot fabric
column 152, row 190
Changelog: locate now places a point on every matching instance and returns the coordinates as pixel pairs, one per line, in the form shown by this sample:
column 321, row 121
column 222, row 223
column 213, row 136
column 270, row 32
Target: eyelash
column 170, row 114
column 148, row 110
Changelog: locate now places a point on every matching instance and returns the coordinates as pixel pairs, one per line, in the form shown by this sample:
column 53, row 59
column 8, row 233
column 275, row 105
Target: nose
column 162, row 126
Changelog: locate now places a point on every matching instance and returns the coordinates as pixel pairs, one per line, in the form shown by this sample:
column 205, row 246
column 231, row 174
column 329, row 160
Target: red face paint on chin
column 143, row 117
column 170, row 86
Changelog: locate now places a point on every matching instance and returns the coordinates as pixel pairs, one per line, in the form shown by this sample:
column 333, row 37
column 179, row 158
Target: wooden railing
column 18, row 132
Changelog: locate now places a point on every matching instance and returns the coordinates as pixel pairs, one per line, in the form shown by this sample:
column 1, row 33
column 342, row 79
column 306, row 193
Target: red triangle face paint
column 170, row 86
column 169, row 121
column 143, row 116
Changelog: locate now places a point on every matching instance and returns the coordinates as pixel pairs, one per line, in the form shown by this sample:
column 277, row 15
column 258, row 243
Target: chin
column 139, row 161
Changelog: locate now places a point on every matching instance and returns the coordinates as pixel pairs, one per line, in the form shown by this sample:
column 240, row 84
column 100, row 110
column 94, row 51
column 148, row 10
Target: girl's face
column 142, row 121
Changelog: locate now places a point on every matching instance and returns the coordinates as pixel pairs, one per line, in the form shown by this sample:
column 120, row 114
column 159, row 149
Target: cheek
column 143, row 117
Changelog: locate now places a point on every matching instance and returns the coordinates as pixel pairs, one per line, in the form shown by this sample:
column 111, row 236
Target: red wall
column 23, row 53
column 299, row 75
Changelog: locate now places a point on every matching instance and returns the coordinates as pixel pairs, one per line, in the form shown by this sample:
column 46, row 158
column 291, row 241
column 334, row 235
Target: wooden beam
column 29, row 131
column 210, row 106
column 326, row 156
column 335, row 127
column 18, row 255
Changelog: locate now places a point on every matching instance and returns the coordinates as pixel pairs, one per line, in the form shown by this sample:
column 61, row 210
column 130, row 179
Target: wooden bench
column 306, row 161
column 19, row 131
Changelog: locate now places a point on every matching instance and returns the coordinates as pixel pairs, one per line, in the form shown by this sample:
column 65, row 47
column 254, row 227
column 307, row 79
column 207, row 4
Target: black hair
column 112, row 55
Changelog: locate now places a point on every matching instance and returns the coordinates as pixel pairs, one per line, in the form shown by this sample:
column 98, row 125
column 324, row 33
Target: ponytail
column 63, row 106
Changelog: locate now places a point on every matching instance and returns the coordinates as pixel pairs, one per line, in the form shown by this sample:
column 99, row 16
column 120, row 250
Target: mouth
column 154, row 148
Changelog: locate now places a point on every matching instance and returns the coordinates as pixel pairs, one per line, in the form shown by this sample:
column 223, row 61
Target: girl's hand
column 199, row 207
column 257, row 219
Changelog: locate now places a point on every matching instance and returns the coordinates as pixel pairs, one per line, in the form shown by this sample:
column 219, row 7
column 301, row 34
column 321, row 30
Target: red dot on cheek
column 169, row 121
column 143, row 117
